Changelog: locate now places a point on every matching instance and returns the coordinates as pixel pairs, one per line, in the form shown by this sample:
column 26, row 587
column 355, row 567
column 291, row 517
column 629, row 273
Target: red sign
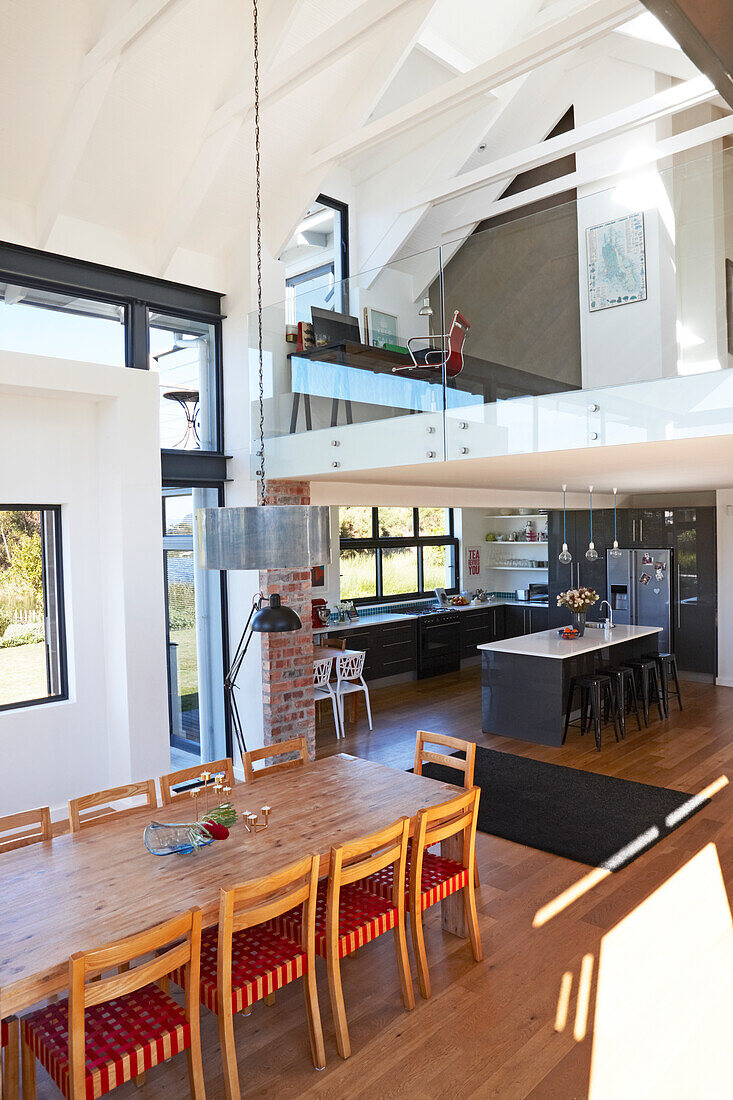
column 474, row 561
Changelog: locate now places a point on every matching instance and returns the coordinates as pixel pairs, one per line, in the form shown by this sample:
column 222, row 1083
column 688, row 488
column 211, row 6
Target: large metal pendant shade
column 273, row 536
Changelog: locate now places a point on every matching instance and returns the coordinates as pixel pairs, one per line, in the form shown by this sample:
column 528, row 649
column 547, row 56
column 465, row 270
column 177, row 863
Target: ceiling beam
column 669, row 102
column 226, row 122
column 95, row 77
column 704, row 30
column 600, row 17
column 650, row 55
column 474, row 208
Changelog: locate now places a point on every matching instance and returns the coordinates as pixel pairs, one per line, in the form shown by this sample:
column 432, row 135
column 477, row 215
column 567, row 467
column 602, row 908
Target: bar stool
column 646, row 674
column 594, row 690
column 625, row 684
column 667, row 666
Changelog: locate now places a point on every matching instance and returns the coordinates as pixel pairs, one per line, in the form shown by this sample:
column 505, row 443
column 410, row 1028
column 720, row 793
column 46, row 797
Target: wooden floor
column 645, row 956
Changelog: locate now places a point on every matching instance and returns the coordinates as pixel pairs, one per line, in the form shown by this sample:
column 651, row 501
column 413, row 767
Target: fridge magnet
column 646, row 560
column 657, row 591
column 659, row 570
column 644, row 578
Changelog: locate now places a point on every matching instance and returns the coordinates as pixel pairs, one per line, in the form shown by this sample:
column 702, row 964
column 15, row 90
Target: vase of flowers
column 577, row 601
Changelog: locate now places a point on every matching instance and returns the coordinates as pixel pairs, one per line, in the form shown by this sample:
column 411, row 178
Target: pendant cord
column 564, row 539
column 260, row 472
column 591, row 515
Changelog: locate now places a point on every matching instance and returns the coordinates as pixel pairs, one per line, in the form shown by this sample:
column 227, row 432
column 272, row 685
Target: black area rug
column 592, row 819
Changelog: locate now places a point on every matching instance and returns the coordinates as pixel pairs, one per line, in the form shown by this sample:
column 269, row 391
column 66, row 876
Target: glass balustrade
column 605, row 319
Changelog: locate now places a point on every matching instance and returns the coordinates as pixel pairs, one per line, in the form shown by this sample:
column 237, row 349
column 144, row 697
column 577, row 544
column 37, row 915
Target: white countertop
column 547, row 643
column 397, row 616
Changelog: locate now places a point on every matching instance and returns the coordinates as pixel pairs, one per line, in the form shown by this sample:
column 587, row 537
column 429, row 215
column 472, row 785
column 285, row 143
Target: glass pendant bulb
column 591, row 553
column 564, row 556
column 614, row 552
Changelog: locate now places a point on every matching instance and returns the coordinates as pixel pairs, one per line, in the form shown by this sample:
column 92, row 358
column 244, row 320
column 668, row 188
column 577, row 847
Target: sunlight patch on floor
column 663, row 1001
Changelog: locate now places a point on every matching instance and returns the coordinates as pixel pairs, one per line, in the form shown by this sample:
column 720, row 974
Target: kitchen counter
column 397, row 616
column 525, row 680
column 547, row 643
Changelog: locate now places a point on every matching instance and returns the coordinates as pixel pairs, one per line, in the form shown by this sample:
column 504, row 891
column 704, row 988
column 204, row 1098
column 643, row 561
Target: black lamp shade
column 275, row 618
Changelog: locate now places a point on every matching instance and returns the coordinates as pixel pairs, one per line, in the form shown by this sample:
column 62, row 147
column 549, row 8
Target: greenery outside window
column 32, row 638
column 396, row 553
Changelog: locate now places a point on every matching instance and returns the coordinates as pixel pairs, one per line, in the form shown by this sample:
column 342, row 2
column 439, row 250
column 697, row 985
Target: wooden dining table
column 81, row 890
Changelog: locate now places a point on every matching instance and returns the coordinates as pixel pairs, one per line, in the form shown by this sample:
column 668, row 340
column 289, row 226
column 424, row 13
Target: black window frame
column 379, row 543
column 63, row 694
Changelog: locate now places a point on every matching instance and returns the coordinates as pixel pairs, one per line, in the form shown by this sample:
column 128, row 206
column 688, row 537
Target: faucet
column 609, row 621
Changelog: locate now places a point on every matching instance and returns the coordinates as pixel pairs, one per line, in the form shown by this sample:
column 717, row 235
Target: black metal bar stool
column 624, row 682
column 647, row 675
column 594, row 690
column 667, row 665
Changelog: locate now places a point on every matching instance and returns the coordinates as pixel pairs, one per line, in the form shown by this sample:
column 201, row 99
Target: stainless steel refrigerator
column 640, row 590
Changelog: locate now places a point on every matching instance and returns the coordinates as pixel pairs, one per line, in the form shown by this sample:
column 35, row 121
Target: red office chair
column 448, row 355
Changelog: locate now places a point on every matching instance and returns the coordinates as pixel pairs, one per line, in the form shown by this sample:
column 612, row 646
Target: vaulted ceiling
column 131, row 120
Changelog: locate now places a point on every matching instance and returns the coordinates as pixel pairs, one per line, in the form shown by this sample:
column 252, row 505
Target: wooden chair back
column 423, row 755
column 251, row 903
column 365, row 856
column 169, row 783
column 174, row 943
column 282, row 748
column 26, row 827
column 438, row 823
column 145, row 788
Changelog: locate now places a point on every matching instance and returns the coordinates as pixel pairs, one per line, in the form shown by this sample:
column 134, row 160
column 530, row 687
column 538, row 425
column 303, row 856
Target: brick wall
column 287, row 659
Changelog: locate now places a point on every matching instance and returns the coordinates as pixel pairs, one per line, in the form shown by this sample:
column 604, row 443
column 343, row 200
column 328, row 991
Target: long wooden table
column 79, row 891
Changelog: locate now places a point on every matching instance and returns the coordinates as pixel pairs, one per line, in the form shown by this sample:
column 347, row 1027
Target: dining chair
column 10, row 1056
column 465, row 766
column 347, row 917
column 186, row 777
column 144, row 788
column 433, row 878
column 112, row 1029
column 26, row 827
column 247, row 959
column 350, row 679
column 297, row 745
column 322, row 689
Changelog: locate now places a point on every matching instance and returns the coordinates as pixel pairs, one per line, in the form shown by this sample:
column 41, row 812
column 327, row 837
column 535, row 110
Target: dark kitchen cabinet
column 580, row 571
column 652, row 527
column 362, row 638
column 695, row 617
column 524, row 620
column 391, row 648
column 485, row 624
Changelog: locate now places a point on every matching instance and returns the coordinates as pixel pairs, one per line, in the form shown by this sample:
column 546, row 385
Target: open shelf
column 519, row 568
column 519, row 542
column 523, row 515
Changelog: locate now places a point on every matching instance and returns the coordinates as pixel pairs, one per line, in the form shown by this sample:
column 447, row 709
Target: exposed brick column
column 287, row 659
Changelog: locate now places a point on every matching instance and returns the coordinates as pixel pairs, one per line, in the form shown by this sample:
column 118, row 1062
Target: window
column 195, row 619
column 182, row 352
column 62, row 326
column 393, row 553
column 32, row 637
column 316, row 261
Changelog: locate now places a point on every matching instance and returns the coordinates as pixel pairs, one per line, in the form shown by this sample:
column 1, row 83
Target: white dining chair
column 323, row 689
column 349, row 678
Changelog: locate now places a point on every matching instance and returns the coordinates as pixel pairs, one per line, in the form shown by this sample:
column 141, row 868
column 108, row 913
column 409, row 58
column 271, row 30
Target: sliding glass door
column 195, row 637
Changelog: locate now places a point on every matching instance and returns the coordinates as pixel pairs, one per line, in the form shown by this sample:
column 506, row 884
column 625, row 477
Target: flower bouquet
column 578, row 600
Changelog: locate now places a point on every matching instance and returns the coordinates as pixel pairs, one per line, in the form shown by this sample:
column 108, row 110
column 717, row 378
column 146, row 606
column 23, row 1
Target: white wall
column 724, row 508
column 86, row 437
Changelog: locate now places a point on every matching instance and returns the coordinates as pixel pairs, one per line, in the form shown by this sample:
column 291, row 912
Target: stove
column 438, row 641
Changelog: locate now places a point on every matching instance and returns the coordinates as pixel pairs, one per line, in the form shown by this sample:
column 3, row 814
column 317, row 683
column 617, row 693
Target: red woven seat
column 3, row 1033
column 124, row 1037
column 440, row 878
column 362, row 917
column 263, row 961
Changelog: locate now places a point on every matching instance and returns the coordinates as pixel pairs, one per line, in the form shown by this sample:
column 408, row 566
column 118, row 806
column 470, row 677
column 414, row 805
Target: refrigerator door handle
column 641, row 529
column 633, row 530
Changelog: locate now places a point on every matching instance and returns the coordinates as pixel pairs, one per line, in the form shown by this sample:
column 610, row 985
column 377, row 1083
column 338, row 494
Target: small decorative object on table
column 252, row 822
column 165, row 838
column 578, row 600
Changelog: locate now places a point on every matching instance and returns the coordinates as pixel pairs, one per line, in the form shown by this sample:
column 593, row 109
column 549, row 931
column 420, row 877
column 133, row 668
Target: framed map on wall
column 616, row 263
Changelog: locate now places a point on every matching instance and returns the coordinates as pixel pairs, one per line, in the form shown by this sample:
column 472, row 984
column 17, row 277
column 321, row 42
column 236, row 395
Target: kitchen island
column 525, row 680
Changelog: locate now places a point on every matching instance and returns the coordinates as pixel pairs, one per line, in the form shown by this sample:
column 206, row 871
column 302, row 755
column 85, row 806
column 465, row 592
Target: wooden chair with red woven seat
column 186, row 778
column 10, row 1051
column 281, row 748
column 105, row 799
column 433, row 878
column 17, row 831
column 113, row 1029
column 347, row 917
column 247, row 959
column 466, row 765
